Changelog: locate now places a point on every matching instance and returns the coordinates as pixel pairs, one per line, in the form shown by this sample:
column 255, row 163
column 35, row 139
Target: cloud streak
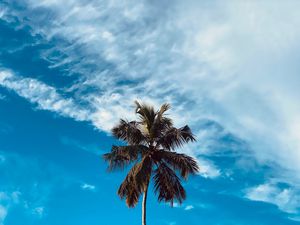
column 88, row 187
column 46, row 97
column 286, row 198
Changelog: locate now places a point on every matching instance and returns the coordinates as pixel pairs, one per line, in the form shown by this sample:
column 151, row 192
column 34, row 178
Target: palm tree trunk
column 144, row 206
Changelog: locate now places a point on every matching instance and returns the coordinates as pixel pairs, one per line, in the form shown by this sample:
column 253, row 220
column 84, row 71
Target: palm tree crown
column 152, row 140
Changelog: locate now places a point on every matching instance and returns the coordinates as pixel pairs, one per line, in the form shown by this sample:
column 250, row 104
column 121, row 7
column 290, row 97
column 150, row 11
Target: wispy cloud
column 3, row 213
column 88, row 187
column 286, row 198
column 7, row 200
column 39, row 211
column 46, row 97
column 2, row 97
column 188, row 207
column 28, row 191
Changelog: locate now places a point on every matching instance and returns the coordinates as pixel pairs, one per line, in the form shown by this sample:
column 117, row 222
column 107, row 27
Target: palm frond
column 146, row 114
column 176, row 137
column 143, row 173
column 167, row 185
column 136, row 181
column 159, row 126
column 161, row 123
column 164, row 107
column 129, row 131
column 120, row 156
column 184, row 163
column 129, row 190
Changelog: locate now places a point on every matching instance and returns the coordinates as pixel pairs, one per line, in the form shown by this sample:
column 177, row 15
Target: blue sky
column 70, row 69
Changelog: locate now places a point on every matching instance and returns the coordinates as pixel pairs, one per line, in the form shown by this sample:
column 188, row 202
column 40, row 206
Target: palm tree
column 151, row 140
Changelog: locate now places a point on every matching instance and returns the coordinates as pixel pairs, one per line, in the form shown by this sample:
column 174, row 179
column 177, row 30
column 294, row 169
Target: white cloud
column 47, row 98
column 208, row 169
column 189, row 207
column 176, row 205
column 287, row 199
column 7, row 199
column 3, row 214
column 3, row 12
column 88, row 187
column 39, row 211
column 31, row 194
column 182, row 206
column 44, row 96
column 2, row 97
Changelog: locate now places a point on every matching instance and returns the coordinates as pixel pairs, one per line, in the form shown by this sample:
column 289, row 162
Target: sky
column 70, row 69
